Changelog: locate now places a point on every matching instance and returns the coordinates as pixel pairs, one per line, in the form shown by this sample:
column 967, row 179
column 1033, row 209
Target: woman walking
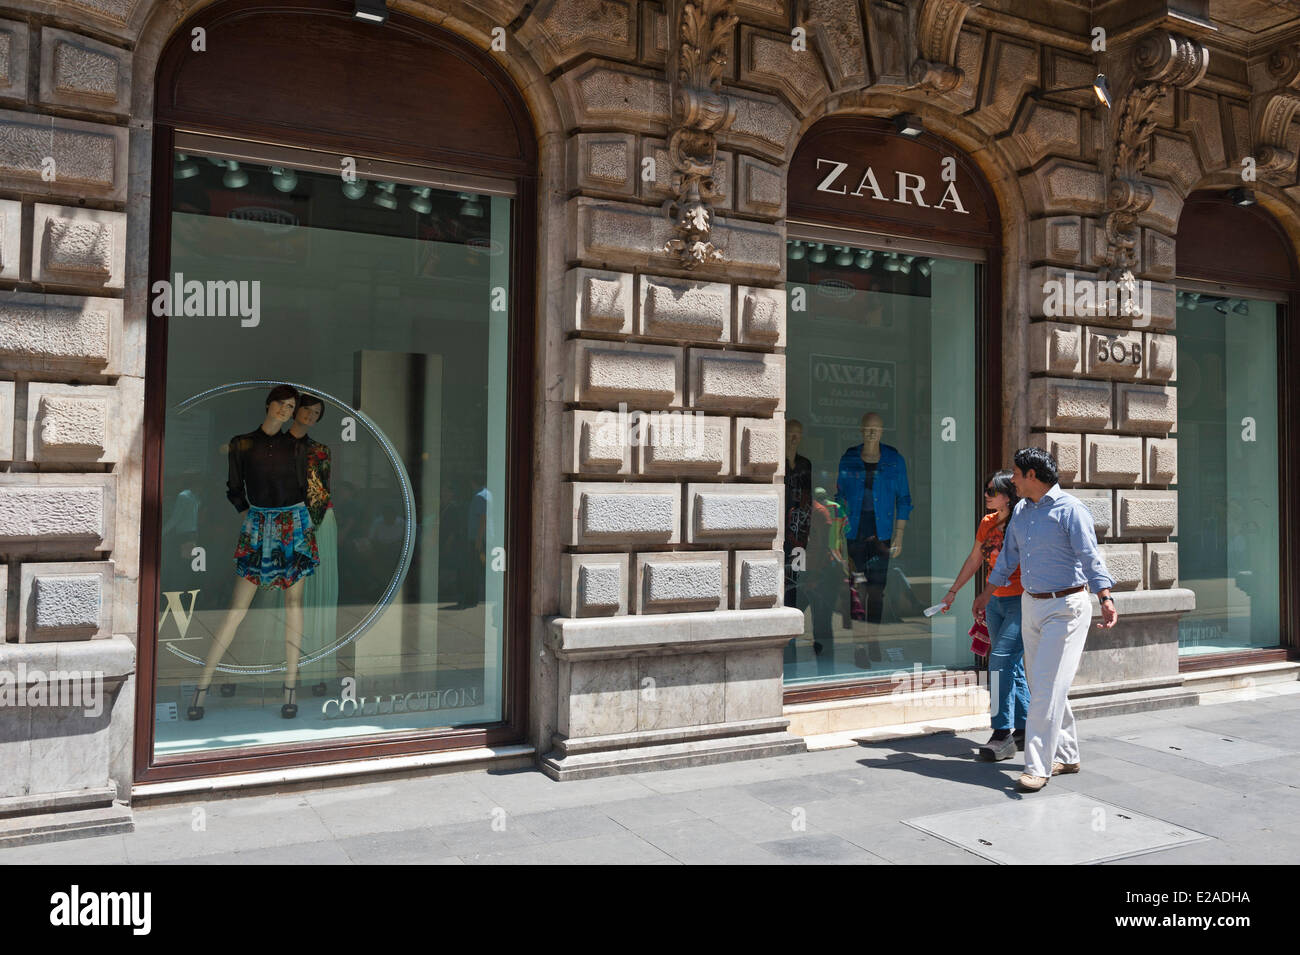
column 1008, row 689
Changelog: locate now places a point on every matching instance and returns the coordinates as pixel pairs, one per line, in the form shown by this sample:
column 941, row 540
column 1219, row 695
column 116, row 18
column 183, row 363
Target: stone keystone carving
column 1161, row 61
column 1274, row 112
column 938, row 28
column 700, row 111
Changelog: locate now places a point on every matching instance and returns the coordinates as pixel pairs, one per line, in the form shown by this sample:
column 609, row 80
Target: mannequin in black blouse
column 268, row 469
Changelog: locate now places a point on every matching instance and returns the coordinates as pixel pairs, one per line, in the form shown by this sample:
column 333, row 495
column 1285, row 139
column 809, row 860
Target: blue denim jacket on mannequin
column 889, row 493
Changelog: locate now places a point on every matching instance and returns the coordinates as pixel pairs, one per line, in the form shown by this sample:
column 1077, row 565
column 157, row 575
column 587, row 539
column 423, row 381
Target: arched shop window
column 338, row 374
column 892, row 262
column 1237, row 279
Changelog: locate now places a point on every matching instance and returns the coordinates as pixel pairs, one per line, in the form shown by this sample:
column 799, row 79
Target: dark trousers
column 870, row 558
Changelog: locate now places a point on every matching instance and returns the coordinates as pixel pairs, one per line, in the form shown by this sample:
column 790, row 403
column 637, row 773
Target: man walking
column 1052, row 538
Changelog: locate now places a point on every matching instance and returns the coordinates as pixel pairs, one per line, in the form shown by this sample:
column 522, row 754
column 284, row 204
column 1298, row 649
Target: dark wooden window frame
column 988, row 339
column 437, row 151
column 1260, row 255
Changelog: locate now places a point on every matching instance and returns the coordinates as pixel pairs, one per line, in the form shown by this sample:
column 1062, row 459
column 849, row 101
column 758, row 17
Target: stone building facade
column 655, row 623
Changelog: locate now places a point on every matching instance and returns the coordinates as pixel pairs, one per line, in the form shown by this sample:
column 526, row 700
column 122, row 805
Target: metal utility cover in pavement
column 1070, row 829
column 1204, row 746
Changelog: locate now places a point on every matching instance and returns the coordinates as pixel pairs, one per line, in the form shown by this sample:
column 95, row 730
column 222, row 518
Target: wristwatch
column 1105, row 598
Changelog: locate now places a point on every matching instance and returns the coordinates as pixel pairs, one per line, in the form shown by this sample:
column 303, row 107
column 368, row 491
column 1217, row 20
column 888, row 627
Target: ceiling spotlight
column 844, row 256
column 1241, row 196
column 186, row 168
column 908, row 124
column 864, row 260
column 1241, row 308
column 285, row 180
column 420, row 200
column 907, row 264
column 372, row 11
column 386, row 196
column 1221, row 306
column 235, row 178
column 796, row 250
column 893, row 263
column 354, row 189
column 470, row 207
column 1193, row 299
column 925, row 267
column 817, row 253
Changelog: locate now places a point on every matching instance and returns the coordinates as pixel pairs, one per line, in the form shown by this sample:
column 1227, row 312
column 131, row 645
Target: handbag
column 980, row 644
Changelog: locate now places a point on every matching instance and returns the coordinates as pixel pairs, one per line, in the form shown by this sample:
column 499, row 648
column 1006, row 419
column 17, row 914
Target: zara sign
column 910, row 187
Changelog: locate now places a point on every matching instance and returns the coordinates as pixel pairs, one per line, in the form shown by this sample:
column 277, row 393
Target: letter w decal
column 178, row 611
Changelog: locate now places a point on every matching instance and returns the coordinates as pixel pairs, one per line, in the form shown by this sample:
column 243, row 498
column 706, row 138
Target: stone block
column 593, row 585
column 680, row 690
column 1045, row 129
column 754, row 686
column 14, row 44
column 1125, row 563
column 1066, row 448
column 72, row 423
column 769, row 61
column 597, row 442
column 606, row 514
column 758, row 579
column 1069, row 403
column 644, row 376
column 654, row 34
column 763, row 125
column 55, row 157
column 836, row 31
column 603, row 163
column 1147, row 513
column 60, row 334
column 660, row 185
column 1099, row 503
column 1201, row 118
column 70, row 600
column 4, row 596
column 1166, row 206
column 56, row 513
column 598, row 93
column 760, row 316
column 80, row 72
column 680, row 309
column 597, row 697
column 668, row 583
column 1162, row 566
column 722, row 513
column 1056, row 239
column 557, row 31
column 6, row 421
column 598, row 302
column 1012, row 69
column 760, row 446
column 1063, row 186
column 1161, row 357
column 11, row 241
column 680, row 443
column 1161, row 459
column 1112, row 459
column 760, row 188
column 1146, row 409
column 770, row 13
column 1114, row 353
column 1174, row 158
column 1055, row 348
column 732, row 381
column 888, row 37
column 79, row 247
column 1158, row 255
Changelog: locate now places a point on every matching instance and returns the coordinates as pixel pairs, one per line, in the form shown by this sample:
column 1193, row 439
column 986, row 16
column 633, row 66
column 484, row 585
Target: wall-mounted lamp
column 372, row 11
column 1241, row 196
column 1099, row 87
column 908, row 124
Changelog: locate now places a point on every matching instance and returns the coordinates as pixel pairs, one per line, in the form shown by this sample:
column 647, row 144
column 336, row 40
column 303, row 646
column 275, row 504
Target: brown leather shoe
column 1031, row 784
column 1064, row 769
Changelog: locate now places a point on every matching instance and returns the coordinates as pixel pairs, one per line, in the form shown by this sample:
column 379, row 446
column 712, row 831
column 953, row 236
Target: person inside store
column 1052, row 539
column 873, row 493
column 1008, row 690
column 798, row 513
column 824, row 575
column 267, row 484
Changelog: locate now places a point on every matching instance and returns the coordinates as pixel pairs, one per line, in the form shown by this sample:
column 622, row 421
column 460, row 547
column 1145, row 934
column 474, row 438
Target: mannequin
column 798, row 504
column 873, row 490
column 320, row 597
column 267, row 485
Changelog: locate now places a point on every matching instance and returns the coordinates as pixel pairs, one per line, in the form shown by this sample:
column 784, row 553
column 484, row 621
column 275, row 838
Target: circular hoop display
column 408, row 505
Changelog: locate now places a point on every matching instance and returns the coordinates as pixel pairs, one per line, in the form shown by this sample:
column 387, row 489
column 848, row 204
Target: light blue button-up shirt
column 1055, row 544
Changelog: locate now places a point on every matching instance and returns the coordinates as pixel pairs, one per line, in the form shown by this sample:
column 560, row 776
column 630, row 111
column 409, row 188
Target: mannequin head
column 309, row 412
column 280, row 404
column 793, row 435
column 872, row 427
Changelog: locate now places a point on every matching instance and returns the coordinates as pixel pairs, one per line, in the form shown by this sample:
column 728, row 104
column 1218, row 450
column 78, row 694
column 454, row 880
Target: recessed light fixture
column 908, row 124
column 1241, row 196
column 372, row 11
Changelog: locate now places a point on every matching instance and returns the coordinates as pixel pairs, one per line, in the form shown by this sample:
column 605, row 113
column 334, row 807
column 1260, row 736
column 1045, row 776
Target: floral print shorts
column 277, row 546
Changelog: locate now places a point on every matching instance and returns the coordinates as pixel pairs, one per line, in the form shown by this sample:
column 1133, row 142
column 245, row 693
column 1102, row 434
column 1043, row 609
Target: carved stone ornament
column 1273, row 160
column 1162, row 61
column 700, row 111
column 938, row 27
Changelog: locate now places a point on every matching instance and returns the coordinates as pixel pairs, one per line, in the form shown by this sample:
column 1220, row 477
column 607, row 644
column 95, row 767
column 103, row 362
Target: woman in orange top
column 1008, row 690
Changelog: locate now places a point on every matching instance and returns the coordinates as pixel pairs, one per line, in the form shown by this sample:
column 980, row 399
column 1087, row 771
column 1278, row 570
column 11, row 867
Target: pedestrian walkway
column 1220, row 783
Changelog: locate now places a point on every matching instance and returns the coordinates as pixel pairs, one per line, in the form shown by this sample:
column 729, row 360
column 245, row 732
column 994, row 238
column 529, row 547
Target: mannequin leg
column 239, row 601
column 293, row 622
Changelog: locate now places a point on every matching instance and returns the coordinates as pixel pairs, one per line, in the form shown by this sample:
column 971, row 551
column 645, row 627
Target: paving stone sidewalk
column 1228, row 773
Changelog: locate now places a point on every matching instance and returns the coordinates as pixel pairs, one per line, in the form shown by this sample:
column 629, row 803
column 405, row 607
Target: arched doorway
column 347, row 211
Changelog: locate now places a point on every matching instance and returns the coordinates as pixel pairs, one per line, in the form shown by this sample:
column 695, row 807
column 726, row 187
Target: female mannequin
column 267, row 484
column 320, row 596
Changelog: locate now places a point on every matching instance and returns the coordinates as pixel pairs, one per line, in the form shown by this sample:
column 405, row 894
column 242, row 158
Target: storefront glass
column 881, row 352
column 1228, row 546
column 380, row 600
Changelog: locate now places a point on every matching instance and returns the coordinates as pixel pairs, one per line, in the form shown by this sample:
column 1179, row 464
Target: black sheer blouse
column 267, row 470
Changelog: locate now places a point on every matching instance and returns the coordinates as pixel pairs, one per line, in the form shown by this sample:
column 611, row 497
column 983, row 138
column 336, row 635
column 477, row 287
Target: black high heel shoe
column 195, row 712
column 290, row 709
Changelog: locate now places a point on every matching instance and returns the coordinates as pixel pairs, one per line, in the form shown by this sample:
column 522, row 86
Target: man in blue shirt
column 1052, row 538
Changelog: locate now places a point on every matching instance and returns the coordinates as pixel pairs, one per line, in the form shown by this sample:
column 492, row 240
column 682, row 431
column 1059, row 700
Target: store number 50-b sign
column 1118, row 351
